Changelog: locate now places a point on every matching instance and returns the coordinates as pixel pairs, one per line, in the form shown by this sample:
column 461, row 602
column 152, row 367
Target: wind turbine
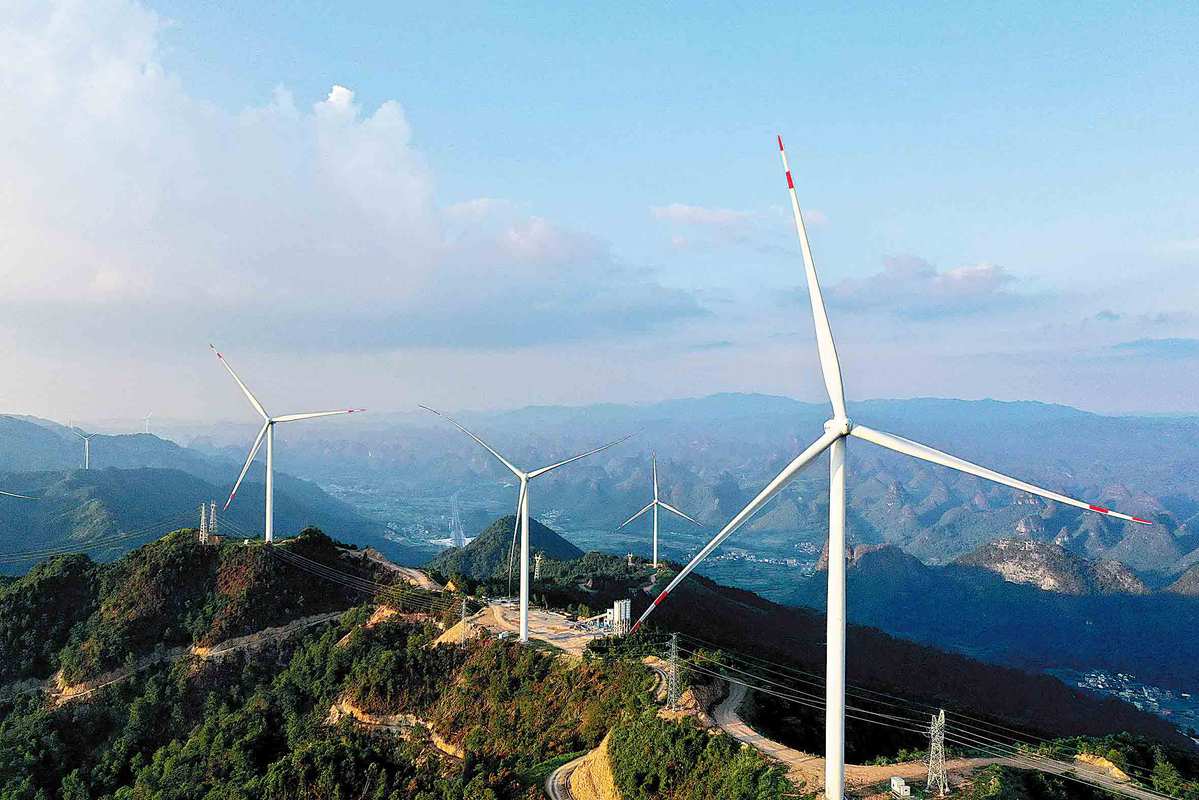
column 267, row 431
column 522, row 510
column 836, row 431
column 87, row 447
column 148, row 421
column 654, row 505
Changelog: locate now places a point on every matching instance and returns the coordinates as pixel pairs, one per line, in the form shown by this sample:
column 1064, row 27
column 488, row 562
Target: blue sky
column 1001, row 199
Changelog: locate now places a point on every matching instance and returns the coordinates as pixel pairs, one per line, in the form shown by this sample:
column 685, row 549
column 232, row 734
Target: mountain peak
column 487, row 555
column 1052, row 568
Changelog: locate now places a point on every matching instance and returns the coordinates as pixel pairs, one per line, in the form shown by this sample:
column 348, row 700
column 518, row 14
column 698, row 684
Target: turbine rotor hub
column 842, row 426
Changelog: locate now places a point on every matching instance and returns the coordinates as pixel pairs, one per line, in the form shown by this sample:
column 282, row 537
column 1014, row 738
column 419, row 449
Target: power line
column 972, row 741
column 982, row 729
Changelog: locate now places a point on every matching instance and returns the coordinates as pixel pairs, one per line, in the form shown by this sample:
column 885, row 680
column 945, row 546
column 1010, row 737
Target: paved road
column 557, row 785
column 807, row 770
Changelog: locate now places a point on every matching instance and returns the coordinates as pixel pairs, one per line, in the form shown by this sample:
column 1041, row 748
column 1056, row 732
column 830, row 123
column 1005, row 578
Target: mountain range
column 716, row 452
column 141, row 483
column 1025, row 604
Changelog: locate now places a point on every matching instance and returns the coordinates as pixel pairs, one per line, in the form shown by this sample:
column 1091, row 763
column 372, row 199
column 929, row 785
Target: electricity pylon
column 537, row 567
column 937, row 782
column 672, row 675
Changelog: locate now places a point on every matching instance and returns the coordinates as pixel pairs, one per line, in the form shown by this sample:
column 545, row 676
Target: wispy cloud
column 911, row 287
column 700, row 215
column 1161, row 348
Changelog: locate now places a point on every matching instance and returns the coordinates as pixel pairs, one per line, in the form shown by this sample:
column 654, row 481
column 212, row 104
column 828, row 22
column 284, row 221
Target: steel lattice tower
column 672, row 675
column 937, row 782
column 537, row 567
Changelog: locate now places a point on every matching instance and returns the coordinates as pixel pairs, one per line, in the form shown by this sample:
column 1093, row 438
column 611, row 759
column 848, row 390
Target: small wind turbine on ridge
column 267, row 431
column 522, row 511
column 87, row 447
column 654, row 505
column 836, row 431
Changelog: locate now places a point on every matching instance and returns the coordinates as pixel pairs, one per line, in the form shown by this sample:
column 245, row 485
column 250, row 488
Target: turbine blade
column 253, row 400
column 653, row 457
column 674, row 510
column 774, row 487
column 520, row 504
column 544, row 470
column 484, row 444
column 926, row 453
column 639, row 513
column 829, row 364
column 314, row 414
column 21, row 496
column 249, row 460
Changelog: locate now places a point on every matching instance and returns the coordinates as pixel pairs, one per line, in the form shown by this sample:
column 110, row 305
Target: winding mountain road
column 557, row 785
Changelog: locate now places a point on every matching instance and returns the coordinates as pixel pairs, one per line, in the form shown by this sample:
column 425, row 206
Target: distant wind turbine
column 87, row 447
column 522, row 510
column 654, row 505
column 267, row 431
column 836, row 431
column 148, row 421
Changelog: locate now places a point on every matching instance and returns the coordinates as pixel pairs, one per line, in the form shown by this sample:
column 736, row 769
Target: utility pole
column 672, row 675
column 937, row 782
column 537, row 567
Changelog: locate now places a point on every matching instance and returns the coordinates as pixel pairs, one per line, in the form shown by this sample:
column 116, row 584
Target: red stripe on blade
column 780, row 141
column 661, row 597
column 1142, row 521
column 1101, row 509
column 790, row 183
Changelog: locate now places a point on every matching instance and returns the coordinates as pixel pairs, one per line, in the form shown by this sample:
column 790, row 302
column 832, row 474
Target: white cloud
column 911, row 287
column 127, row 204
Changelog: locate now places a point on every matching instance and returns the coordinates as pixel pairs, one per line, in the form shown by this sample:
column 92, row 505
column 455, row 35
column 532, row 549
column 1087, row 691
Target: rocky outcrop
column 1187, row 584
column 1052, row 568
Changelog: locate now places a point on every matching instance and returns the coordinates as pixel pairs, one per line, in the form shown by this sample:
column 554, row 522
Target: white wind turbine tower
column 836, row 431
column 87, row 447
column 654, row 505
column 148, row 421
column 267, row 431
column 522, row 510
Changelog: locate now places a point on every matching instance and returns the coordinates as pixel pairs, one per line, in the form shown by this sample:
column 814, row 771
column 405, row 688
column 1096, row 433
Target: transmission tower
column 672, row 675
column 630, row 559
column 537, row 567
column 937, row 782
column 203, row 524
column 212, row 519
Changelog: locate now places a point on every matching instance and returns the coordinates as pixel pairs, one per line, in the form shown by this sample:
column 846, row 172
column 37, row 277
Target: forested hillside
column 94, row 508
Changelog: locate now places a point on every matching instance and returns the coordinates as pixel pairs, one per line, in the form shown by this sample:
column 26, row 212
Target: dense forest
column 365, row 704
